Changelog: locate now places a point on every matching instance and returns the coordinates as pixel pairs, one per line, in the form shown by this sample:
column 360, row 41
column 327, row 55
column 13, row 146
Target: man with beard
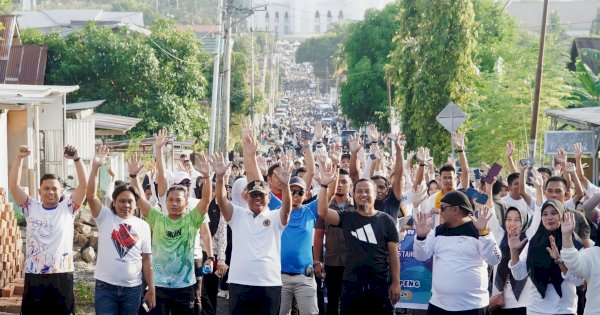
column 371, row 255
column 387, row 198
column 333, row 265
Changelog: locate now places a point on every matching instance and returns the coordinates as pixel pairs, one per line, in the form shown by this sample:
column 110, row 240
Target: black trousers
column 254, row 300
column 434, row 310
column 333, row 281
column 359, row 298
column 511, row 311
column 320, row 297
column 174, row 301
column 51, row 293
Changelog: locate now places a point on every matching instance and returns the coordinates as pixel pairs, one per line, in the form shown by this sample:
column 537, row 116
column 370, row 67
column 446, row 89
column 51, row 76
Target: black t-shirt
column 389, row 205
column 366, row 254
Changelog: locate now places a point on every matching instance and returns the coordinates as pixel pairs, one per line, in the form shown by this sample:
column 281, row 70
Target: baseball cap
column 298, row 181
column 258, row 185
column 346, row 155
column 457, row 198
column 179, row 177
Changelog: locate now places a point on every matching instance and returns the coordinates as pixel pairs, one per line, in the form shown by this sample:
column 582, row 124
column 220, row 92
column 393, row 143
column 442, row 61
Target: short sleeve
column 313, row 207
column 320, row 224
column 152, row 216
column 342, row 214
column 276, row 216
column 391, row 233
column 146, row 242
column 73, row 207
column 104, row 211
column 29, row 202
column 196, row 218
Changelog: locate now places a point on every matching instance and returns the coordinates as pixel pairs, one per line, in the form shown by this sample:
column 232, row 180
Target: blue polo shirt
column 274, row 203
column 297, row 239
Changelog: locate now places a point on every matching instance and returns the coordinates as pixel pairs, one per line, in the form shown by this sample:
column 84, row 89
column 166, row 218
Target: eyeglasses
column 443, row 207
column 256, row 194
column 298, row 192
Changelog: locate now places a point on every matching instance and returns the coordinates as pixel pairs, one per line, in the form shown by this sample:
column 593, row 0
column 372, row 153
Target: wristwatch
column 558, row 261
column 484, row 232
column 316, row 262
column 211, row 258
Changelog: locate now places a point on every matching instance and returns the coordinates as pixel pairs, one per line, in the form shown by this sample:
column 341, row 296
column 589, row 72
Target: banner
column 415, row 276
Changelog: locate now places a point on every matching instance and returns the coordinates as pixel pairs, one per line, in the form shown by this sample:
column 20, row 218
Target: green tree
column 363, row 97
column 321, row 49
column 442, row 44
column 157, row 78
column 587, row 92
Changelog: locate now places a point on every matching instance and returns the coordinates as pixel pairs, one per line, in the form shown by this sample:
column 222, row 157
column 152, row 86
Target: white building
column 306, row 18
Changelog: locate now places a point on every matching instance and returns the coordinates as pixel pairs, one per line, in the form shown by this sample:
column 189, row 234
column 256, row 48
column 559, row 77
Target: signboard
column 415, row 276
column 553, row 140
column 451, row 117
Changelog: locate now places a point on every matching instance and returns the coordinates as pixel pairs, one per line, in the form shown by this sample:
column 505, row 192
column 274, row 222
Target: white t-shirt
column 49, row 243
column 256, row 255
column 121, row 243
column 192, row 203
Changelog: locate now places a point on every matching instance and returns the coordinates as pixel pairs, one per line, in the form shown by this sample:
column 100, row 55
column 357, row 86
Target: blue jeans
column 112, row 299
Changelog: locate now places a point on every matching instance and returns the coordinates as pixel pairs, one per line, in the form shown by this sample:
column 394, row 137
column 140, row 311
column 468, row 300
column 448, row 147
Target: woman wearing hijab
column 553, row 286
column 507, row 292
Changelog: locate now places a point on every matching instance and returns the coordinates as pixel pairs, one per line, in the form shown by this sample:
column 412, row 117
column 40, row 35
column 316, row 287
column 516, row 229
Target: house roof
column 67, row 18
column 83, row 105
column 583, row 43
column 575, row 16
column 25, row 65
column 111, row 125
column 15, row 96
column 584, row 118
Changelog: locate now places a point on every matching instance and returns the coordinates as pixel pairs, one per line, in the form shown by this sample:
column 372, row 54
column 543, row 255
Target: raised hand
column 160, row 139
column 561, row 156
column 557, row 170
column 536, row 179
column 327, row 174
column 514, row 240
column 249, row 143
column 568, row 225
column 247, row 128
column 410, row 156
column 510, row 149
column 219, row 165
column 569, row 168
column 134, row 164
column 481, row 222
column 110, row 171
column 553, row 250
column 459, row 140
column 262, row 164
column 318, row 131
column 355, row 143
column 24, row 151
column 72, row 149
column 202, row 164
column 523, row 168
column 372, row 132
column 283, row 172
column 335, row 154
column 422, row 226
column 421, row 155
column 577, row 150
column 100, row 158
column 419, row 196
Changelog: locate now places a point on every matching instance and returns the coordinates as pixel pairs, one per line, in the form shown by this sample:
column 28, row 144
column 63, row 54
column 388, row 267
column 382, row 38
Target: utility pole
column 216, row 91
column 225, row 92
column 538, row 83
column 251, row 66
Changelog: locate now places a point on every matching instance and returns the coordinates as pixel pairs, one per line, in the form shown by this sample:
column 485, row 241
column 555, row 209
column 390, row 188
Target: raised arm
column 134, row 166
column 309, row 160
column 160, row 140
column 522, row 184
column 92, row 185
column 220, row 168
column 398, row 168
column 203, row 167
column 570, row 169
column 355, row 144
column 538, row 183
column 459, row 140
column 249, row 151
column 78, row 195
column 510, row 150
column 283, row 175
column 14, row 178
column 326, row 178
column 578, row 153
column 590, row 210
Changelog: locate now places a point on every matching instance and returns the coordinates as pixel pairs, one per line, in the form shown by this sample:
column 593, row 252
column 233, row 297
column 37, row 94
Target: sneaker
column 223, row 294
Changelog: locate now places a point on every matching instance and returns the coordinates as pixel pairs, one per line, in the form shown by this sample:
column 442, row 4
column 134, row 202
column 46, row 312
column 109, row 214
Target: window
column 286, row 23
column 328, row 20
column 277, row 21
column 341, row 16
column 267, row 20
column 317, row 22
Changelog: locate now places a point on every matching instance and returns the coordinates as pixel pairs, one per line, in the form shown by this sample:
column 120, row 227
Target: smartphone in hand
column 494, row 171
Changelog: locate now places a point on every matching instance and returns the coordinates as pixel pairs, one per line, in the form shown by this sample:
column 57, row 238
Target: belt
column 291, row 273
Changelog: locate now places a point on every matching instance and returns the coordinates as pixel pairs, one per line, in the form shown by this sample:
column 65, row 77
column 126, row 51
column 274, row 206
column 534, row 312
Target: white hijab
column 236, row 192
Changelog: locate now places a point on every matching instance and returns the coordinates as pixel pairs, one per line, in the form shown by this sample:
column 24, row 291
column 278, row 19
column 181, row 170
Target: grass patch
column 84, row 294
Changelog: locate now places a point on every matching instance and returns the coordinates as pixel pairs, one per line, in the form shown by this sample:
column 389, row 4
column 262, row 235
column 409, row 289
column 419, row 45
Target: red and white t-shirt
column 121, row 243
column 49, row 242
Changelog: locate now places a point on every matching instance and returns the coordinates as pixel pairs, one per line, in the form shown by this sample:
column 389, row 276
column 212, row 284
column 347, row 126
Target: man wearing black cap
column 255, row 273
column 297, row 273
column 461, row 247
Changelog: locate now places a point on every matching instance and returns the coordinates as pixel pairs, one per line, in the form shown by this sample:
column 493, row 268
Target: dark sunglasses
column 256, row 194
column 298, row 192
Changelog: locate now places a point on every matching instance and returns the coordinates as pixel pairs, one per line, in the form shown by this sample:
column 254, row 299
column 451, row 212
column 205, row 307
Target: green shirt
column 173, row 248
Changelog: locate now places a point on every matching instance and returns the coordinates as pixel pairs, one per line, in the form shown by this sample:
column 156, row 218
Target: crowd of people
column 303, row 212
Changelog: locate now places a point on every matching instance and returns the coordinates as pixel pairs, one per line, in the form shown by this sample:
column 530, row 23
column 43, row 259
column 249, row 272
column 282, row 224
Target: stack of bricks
column 11, row 257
